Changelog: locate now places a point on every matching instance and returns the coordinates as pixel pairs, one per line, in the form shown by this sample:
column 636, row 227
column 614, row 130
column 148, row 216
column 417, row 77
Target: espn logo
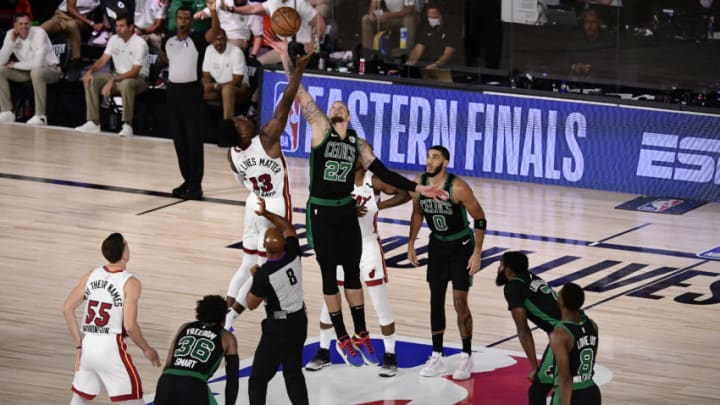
column 687, row 159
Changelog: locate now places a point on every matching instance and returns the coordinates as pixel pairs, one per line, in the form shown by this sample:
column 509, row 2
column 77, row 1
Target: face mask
column 434, row 22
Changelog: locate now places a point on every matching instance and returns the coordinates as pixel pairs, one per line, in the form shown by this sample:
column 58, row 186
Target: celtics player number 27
column 336, row 171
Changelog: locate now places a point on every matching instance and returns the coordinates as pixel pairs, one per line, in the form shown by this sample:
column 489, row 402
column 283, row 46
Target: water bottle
column 403, row 38
column 563, row 87
column 321, row 63
column 361, row 66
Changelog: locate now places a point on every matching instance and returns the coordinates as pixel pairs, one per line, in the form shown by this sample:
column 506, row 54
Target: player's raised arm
column 271, row 132
column 398, row 196
column 318, row 120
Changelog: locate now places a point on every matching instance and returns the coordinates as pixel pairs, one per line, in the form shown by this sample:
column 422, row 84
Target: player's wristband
column 481, row 224
column 390, row 177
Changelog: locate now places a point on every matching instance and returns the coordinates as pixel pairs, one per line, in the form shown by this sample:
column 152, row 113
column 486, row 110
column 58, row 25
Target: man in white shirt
column 311, row 29
column 225, row 75
column 129, row 54
column 71, row 17
column 396, row 13
column 36, row 61
column 150, row 16
column 240, row 29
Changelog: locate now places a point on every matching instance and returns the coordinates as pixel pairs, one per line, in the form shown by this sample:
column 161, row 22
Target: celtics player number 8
column 586, row 364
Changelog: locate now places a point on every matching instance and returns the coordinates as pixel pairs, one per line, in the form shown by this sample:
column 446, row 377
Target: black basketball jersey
column 279, row 281
column 198, row 350
column 447, row 219
column 332, row 166
column 538, row 299
column 583, row 353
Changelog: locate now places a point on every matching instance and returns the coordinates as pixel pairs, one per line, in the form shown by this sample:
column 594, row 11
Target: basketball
column 285, row 21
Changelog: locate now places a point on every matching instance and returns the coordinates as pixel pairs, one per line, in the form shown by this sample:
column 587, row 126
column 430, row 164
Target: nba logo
column 290, row 138
column 660, row 205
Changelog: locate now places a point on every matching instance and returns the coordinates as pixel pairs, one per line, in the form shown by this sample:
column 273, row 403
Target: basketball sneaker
column 390, row 365
column 321, row 359
column 465, row 370
column 435, row 366
column 365, row 348
column 349, row 352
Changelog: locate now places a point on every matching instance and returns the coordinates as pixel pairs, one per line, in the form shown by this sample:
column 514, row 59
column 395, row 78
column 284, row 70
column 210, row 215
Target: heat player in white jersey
column 258, row 163
column 372, row 269
column 110, row 295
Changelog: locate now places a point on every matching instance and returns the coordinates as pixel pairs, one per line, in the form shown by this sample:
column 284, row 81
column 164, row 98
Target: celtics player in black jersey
column 529, row 297
column 453, row 255
column 195, row 354
column 574, row 342
column 332, row 226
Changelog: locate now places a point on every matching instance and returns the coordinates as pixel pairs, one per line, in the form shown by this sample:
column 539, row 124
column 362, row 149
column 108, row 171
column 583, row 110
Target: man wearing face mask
column 436, row 40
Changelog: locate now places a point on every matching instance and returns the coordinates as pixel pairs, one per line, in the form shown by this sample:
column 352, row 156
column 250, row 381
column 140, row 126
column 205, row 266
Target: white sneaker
column 7, row 116
column 435, row 366
column 37, row 120
column 126, row 130
column 101, row 39
column 89, row 127
column 465, row 370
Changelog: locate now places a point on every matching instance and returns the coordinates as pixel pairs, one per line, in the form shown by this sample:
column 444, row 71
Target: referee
column 279, row 283
column 184, row 53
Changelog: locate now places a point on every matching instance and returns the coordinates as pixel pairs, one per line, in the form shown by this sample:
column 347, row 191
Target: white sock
column 230, row 318
column 77, row 400
column 135, row 402
column 389, row 343
column 326, row 336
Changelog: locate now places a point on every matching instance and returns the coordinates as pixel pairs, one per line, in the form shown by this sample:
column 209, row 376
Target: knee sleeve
column 437, row 304
column 379, row 298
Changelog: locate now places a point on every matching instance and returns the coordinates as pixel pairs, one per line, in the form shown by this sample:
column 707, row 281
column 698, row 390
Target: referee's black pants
column 185, row 115
column 281, row 342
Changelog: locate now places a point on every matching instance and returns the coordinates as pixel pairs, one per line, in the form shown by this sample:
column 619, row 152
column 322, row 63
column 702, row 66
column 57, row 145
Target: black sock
column 358, row 316
column 437, row 341
column 338, row 324
column 467, row 344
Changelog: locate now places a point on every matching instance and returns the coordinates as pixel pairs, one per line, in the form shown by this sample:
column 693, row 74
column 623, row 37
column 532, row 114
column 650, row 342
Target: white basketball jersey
column 264, row 176
column 364, row 195
column 105, row 301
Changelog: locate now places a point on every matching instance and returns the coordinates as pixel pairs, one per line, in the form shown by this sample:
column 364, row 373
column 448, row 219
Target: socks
column 337, row 321
column 389, row 343
column 230, row 318
column 437, row 342
column 467, row 344
column 358, row 316
column 325, row 337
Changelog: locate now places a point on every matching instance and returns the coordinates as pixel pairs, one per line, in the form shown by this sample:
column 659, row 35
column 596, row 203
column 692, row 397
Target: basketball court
column 62, row 192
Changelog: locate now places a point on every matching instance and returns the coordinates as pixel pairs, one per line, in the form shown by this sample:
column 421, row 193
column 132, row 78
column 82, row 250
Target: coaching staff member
column 184, row 52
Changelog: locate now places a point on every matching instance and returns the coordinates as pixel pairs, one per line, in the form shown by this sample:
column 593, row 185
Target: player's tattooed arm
column 366, row 153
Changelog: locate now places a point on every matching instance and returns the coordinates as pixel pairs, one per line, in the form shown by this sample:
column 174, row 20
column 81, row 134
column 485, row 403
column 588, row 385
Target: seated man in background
column 240, row 29
column 129, row 54
column 395, row 13
column 151, row 20
column 225, row 75
column 311, row 29
column 72, row 18
column 593, row 54
column 436, row 41
column 36, row 61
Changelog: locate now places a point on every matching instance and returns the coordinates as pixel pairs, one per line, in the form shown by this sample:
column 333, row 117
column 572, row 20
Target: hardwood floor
column 62, row 192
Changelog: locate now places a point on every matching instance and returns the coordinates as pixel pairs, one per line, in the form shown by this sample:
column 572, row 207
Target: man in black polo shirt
column 436, row 40
column 279, row 283
column 184, row 53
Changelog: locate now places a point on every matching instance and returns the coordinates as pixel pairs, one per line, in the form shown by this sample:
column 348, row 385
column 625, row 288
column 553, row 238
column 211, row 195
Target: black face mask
column 500, row 279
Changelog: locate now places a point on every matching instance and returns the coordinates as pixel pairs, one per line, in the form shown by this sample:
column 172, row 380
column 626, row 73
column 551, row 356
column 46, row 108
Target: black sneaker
column 191, row 194
column 321, row 359
column 390, row 366
column 177, row 191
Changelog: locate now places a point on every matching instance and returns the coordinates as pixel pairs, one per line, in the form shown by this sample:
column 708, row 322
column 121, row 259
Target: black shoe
column 321, row 359
column 177, row 191
column 390, row 366
column 191, row 194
